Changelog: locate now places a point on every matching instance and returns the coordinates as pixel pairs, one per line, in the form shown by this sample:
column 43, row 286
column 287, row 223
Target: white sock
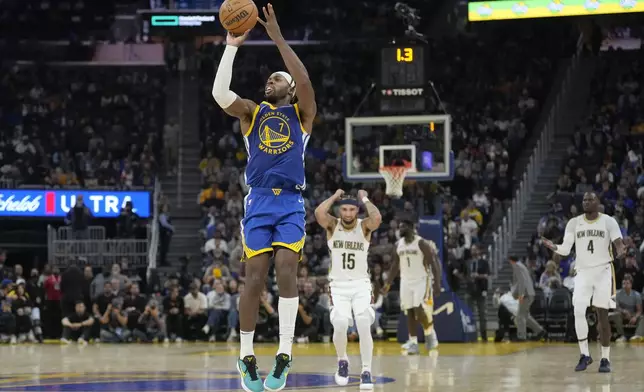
column 340, row 328
column 287, row 311
column 583, row 347
column 409, row 339
column 413, row 339
column 581, row 328
column 246, row 343
column 606, row 352
column 363, row 325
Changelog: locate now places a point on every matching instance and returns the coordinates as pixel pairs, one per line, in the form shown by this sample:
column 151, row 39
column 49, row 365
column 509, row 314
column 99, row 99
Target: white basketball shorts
column 596, row 286
column 350, row 296
column 414, row 292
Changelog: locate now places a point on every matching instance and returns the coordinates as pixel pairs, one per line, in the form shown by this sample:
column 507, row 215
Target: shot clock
column 403, row 85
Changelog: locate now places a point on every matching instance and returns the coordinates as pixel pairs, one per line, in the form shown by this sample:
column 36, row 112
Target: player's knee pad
column 338, row 320
column 366, row 317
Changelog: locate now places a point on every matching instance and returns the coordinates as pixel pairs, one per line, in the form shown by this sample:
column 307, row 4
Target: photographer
column 307, row 323
column 114, row 323
column 267, row 321
column 478, row 272
column 174, row 308
column 149, row 324
column 78, row 325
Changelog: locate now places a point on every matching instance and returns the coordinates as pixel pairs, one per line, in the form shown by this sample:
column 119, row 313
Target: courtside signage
column 502, row 10
column 57, row 203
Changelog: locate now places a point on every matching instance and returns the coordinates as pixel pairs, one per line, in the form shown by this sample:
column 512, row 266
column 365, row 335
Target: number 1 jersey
column 412, row 266
column 349, row 249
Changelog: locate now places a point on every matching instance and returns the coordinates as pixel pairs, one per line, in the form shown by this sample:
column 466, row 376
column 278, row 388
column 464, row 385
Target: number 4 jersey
column 593, row 239
column 349, row 249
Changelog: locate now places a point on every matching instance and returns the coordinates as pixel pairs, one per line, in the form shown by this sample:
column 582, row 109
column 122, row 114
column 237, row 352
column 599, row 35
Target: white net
column 394, row 179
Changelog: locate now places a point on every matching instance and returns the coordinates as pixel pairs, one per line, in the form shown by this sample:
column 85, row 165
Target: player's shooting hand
column 270, row 24
column 236, row 40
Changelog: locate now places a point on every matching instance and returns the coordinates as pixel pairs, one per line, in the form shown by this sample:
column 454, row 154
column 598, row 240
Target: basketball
column 237, row 16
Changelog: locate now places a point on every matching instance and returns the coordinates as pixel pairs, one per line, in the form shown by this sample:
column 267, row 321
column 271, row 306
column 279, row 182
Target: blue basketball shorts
column 272, row 218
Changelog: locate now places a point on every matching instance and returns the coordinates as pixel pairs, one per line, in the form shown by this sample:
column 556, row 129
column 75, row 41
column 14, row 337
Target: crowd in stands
column 81, row 126
column 605, row 157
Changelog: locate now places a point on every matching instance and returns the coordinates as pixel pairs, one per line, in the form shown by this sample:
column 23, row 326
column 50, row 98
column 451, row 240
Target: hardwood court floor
column 485, row 367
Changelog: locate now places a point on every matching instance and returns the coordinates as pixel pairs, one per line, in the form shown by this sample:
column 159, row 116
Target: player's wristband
column 365, row 200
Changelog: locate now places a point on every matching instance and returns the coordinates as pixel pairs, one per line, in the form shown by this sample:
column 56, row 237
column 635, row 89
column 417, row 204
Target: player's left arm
column 616, row 236
column 372, row 222
column 430, row 260
column 304, row 87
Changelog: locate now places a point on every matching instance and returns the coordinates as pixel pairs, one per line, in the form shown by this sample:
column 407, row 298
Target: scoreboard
column 403, row 86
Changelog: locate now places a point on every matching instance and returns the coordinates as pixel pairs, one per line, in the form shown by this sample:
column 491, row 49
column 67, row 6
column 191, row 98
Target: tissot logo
column 403, row 92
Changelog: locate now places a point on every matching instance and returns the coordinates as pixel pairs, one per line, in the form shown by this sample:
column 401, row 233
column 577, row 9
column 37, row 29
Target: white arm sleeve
column 221, row 88
column 613, row 229
column 568, row 240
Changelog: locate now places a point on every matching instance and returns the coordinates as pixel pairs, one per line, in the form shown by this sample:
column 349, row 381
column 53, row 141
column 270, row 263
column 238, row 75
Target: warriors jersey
column 592, row 239
column 349, row 249
column 275, row 143
column 412, row 265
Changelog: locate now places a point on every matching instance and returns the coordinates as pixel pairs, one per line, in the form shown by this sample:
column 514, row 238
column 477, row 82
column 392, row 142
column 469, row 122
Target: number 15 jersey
column 349, row 249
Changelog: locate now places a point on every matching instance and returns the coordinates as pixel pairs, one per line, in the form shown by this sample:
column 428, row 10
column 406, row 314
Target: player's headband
column 349, row 201
column 289, row 79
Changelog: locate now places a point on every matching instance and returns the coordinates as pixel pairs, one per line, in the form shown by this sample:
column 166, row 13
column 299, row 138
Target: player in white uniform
column 351, row 296
column 420, row 270
column 593, row 235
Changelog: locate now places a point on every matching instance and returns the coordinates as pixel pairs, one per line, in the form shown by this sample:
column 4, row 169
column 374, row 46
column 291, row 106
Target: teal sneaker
column 250, row 380
column 276, row 379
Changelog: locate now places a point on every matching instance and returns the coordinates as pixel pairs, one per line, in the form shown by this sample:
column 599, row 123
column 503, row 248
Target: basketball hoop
column 394, row 178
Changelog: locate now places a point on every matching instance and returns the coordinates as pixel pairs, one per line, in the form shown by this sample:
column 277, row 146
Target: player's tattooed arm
column 304, row 87
column 372, row 222
column 322, row 215
column 393, row 272
column 568, row 240
column 431, row 261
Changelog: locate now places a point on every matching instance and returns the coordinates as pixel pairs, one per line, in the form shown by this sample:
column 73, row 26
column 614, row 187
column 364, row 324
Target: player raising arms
column 348, row 239
column 276, row 132
column 592, row 233
column 415, row 258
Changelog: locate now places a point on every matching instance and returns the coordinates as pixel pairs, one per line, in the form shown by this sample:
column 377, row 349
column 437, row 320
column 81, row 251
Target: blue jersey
column 275, row 143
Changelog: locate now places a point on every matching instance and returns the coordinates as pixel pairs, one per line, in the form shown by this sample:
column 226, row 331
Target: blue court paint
column 159, row 381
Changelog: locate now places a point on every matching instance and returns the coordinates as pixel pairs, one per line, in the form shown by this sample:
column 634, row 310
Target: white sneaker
column 211, row 339
column 13, row 340
column 31, row 337
column 406, row 345
column 81, row 342
column 22, row 338
column 232, row 336
column 379, row 332
column 206, row 329
column 166, row 341
column 620, row 339
column 636, row 338
column 178, row 340
column 341, row 375
column 64, row 341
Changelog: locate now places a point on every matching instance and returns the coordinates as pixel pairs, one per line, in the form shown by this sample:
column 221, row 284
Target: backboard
column 374, row 142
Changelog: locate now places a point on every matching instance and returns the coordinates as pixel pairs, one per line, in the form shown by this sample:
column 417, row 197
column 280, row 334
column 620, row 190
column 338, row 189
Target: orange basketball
column 237, row 16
